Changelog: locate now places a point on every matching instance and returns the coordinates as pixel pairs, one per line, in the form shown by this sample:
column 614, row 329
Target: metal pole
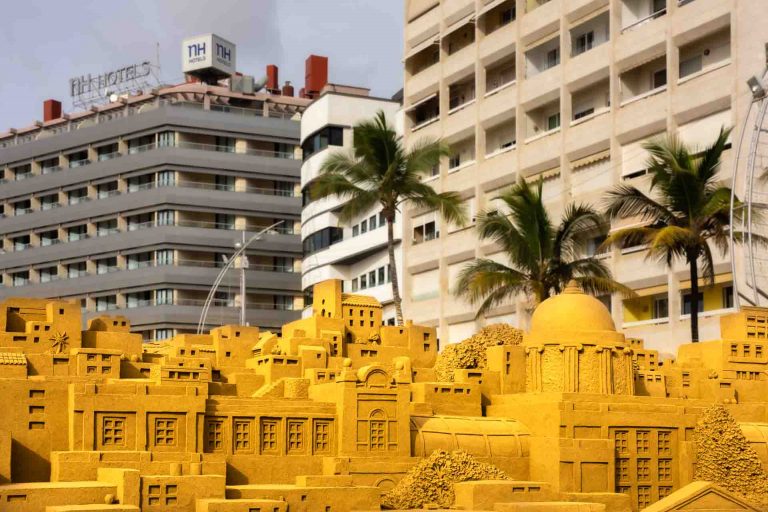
column 220, row 277
column 243, row 265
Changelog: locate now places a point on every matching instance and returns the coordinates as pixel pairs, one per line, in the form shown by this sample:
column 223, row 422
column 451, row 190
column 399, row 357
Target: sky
column 47, row 42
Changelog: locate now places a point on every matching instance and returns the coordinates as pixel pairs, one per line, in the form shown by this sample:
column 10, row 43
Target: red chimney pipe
column 51, row 110
column 288, row 89
column 272, row 78
column 316, row 75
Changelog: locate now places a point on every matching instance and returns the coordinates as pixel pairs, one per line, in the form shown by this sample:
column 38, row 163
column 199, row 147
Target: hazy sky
column 46, row 42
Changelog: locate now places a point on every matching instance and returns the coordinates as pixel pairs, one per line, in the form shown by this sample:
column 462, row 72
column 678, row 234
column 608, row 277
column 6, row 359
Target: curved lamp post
column 241, row 247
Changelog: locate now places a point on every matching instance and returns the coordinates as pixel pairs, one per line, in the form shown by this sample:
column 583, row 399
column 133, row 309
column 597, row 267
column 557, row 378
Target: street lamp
column 240, row 250
column 758, row 91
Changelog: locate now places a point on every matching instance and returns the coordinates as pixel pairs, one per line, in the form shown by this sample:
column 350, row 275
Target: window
column 226, row 183
column 164, row 296
column 295, row 436
column 659, row 78
column 165, row 218
column 20, row 278
column 372, row 222
column 553, row 58
column 165, row 431
column 49, row 202
column 269, row 435
column 106, row 303
column 283, row 302
column 139, row 260
column 166, row 179
column 113, row 431
column 22, row 207
column 225, row 144
column 140, row 144
column 78, row 159
column 107, row 152
column 377, row 431
column 106, row 265
column 364, row 227
column 425, row 232
column 49, row 237
column 322, row 436
column 138, row 299
column 584, row 43
column 454, row 161
column 163, row 334
column 690, row 66
column 553, row 121
column 507, row 16
column 363, row 282
column 214, row 435
column 584, row 113
column 327, row 136
column 20, row 242
column 75, row 270
column 283, row 264
column 106, row 190
column 76, row 233
column 728, row 297
column 355, row 230
column 687, row 303
column 47, row 274
column 659, row 5
column 372, row 278
column 137, row 183
column 164, row 257
column 354, row 285
column 660, row 307
column 322, row 239
column 166, row 139
column 77, row 196
column 224, row 221
column 106, row 227
column 381, row 271
column 242, row 435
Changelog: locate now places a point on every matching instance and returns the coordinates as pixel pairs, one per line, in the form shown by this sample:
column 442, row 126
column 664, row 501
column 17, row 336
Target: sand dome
column 571, row 312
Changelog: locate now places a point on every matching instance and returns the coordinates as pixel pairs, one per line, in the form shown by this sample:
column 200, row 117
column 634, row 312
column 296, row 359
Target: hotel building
column 133, row 207
column 354, row 252
column 567, row 91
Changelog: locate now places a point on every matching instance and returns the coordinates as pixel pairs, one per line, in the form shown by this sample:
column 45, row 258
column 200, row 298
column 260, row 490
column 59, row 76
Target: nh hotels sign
column 208, row 53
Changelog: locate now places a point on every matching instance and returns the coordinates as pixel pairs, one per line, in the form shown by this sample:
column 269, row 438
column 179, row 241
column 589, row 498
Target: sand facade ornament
column 337, row 412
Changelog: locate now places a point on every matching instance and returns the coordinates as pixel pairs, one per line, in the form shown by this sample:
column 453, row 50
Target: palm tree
column 379, row 170
column 543, row 257
column 689, row 209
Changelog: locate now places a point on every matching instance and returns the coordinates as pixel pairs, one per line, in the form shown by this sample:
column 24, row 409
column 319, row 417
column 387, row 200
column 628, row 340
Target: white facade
column 568, row 91
column 359, row 258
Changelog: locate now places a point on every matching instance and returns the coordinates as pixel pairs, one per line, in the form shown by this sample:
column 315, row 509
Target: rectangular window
column 166, row 139
column 355, row 230
column 660, row 307
column 728, row 297
column 584, row 113
column 322, row 436
column 381, row 272
column 242, row 435
column 47, row 274
column 690, row 66
column 164, row 296
column 354, row 285
column 553, row 121
column 106, row 303
column 166, row 179
column 584, row 42
column 113, row 431
column 659, row 78
column 269, row 435
column 164, row 257
column 165, row 431
column 643, row 441
column 363, row 282
column 364, row 226
column 687, row 303
column 225, row 144
column 553, row 58
column 372, row 222
column 165, row 218
column 295, row 436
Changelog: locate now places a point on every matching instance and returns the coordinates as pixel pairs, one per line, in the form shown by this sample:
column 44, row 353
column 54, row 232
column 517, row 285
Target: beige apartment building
column 567, row 91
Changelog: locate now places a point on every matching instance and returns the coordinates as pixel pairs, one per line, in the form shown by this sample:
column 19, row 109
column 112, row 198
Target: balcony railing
column 643, row 21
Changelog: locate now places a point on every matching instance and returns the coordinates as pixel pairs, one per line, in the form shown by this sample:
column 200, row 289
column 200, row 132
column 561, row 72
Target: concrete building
column 354, row 252
column 568, row 91
column 130, row 207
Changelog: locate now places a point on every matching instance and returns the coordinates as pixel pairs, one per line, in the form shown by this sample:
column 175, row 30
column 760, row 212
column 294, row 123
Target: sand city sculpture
column 339, row 413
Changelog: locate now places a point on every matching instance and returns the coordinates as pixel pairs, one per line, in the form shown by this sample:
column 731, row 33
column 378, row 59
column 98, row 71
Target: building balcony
column 498, row 102
column 499, row 43
column 423, row 83
column 643, row 42
column 643, row 114
column 541, row 18
column 588, row 67
column 633, row 268
column 422, row 24
column 460, row 121
column 541, row 88
column 703, row 92
column 499, row 165
column 459, row 64
column 695, row 17
column 540, row 152
column 589, row 134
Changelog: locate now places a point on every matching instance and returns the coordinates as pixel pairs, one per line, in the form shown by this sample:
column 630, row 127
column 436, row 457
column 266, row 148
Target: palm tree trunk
column 393, row 270
column 693, row 262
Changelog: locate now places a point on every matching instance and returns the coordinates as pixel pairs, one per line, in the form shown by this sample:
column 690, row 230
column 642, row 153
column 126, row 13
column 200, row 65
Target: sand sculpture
column 334, row 411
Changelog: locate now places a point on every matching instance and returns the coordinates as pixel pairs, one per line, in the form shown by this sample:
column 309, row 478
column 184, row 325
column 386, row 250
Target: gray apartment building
column 133, row 207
